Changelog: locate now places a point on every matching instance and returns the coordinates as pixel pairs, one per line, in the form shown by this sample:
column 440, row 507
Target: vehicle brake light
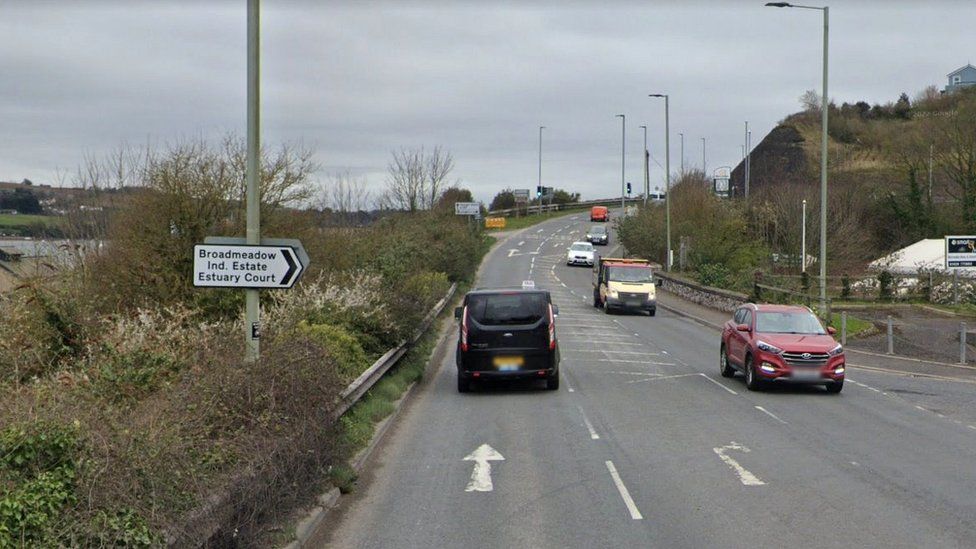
column 464, row 329
column 552, row 329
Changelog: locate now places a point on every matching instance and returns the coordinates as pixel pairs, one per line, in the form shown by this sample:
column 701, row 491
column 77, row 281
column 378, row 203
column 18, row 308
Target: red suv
column 781, row 343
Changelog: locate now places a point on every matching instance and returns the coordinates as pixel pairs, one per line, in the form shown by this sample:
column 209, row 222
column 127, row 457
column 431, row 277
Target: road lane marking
column 481, row 475
column 624, row 494
column 770, row 414
column 659, row 378
column 745, row 476
column 589, row 426
column 540, row 230
column 717, row 383
column 520, row 243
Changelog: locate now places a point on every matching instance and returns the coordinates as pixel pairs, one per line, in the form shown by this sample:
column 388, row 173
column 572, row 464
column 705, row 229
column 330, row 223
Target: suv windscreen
column 788, row 323
column 597, row 230
column 630, row 274
column 582, row 247
column 508, row 308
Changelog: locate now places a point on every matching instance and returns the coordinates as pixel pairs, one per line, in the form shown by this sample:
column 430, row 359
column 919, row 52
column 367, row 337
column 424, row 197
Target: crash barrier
column 494, row 222
column 202, row 524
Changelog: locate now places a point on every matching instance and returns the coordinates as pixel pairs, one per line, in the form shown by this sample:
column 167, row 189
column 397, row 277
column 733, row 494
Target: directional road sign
column 467, row 208
column 243, row 266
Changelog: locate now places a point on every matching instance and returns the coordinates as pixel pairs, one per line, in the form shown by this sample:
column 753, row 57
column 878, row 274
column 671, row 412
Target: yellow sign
column 494, row 222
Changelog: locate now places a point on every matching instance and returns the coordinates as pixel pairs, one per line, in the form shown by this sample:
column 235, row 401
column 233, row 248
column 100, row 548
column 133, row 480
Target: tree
column 559, row 196
column 810, row 101
column 22, row 200
column 344, row 193
column 450, row 196
column 504, row 200
column 955, row 154
column 415, row 178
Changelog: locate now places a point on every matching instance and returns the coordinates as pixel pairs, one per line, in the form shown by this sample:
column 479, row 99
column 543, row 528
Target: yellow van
column 624, row 284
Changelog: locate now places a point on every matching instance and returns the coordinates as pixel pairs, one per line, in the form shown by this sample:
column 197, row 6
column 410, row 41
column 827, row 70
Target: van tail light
column 464, row 329
column 552, row 329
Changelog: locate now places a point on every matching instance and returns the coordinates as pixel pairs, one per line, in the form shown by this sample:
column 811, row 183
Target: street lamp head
column 619, row 115
column 657, row 95
column 645, row 127
column 778, row 5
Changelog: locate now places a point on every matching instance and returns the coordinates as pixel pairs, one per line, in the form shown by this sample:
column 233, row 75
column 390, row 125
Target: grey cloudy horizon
column 355, row 81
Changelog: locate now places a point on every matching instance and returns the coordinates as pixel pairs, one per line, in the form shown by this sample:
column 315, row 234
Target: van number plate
column 508, row 363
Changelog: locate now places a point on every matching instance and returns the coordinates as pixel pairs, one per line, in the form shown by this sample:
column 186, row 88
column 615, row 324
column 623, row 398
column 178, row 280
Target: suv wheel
column 724, row 367
column 752, row 380
column 552, row 384
column 835, row 387
column 464, row 385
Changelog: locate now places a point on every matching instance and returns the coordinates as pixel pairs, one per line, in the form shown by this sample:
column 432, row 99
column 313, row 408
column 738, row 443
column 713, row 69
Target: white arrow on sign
column 481, row 476
column 243, row 266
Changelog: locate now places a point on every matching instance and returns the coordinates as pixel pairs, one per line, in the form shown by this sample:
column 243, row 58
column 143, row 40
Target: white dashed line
column 624, row 494
column 770, row 414
column 717, row 383
column 589, row 426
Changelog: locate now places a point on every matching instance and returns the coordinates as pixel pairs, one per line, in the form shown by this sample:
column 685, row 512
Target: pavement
column 645, row 445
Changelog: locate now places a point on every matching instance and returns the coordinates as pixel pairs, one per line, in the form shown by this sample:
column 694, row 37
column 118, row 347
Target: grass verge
column 855, row 326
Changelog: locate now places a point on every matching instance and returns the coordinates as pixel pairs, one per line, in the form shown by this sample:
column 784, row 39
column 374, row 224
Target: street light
column 667, row 170
column 682, row 152
column 646, row 178
column 623, row 148
column 540, row 166
column 704, row 169
column 823, row 149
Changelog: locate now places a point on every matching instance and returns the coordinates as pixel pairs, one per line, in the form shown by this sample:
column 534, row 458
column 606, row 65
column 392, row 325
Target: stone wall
column 714, row 298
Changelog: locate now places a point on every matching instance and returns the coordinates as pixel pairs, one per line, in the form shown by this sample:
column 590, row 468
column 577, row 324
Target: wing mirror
column 742, row 327
column 831, row 330
column 555, row 310
column 458, row 311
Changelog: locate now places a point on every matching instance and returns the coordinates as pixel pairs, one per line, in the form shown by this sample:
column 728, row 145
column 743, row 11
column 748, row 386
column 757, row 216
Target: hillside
column 879, row 159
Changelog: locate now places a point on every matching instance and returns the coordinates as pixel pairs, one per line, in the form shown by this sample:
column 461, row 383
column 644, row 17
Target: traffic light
column 628, row 187
column 538, row 192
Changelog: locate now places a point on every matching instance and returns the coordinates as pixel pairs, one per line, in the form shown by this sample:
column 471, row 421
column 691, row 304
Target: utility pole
column 541, row 198
column 682, row 163
column 623, row 149
column 646, row 167
column 667, row 170
column 252, row 308
column 803, row 239
column 748, row 154
column 931, row 152
column 704, row 166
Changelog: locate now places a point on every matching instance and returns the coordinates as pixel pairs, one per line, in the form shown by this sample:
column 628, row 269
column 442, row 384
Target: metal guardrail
column 355, row 391
column 561, row 207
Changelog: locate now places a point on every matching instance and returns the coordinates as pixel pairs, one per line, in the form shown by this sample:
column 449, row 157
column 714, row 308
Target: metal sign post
column 252, row 306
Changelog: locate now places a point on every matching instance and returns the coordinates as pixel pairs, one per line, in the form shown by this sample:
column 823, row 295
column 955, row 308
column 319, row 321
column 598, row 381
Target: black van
column 507, row 334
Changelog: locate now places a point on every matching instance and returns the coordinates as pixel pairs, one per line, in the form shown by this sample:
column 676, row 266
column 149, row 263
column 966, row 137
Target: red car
column 782, row 344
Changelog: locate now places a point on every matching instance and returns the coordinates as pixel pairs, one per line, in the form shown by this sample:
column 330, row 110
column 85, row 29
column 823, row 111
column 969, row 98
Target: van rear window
column 508, row 308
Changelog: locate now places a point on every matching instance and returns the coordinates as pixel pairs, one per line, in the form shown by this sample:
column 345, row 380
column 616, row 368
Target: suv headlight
column 766, row 347
column 613, row 294
column 836, row 350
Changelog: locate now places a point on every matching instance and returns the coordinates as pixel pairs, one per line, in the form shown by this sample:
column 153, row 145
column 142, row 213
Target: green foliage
column 134, row 374
column 344, row 477
column 885, row 280
column 504, row 200
column 845, row 291
column 348, row 353
column 122, row 528
column 39, row 462
column 713, row 275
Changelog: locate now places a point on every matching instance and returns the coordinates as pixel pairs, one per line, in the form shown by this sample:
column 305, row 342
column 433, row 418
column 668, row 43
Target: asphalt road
column 645, row 445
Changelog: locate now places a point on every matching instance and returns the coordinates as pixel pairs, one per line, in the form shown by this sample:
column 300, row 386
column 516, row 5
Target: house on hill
column 960, row 78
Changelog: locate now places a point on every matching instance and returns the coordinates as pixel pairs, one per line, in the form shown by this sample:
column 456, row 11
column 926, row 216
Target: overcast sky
column 355, row 80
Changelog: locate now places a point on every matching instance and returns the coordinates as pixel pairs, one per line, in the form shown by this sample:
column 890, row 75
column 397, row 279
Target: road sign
column 243, row 266
column 494, row 222
column 960, row 251
column 521, row 195
column 467, row 208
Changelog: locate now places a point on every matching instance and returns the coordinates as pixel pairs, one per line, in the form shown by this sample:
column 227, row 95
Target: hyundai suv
column 781, row 344
column 507, row 334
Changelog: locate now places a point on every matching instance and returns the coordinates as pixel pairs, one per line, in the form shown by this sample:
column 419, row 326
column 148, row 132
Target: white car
column 580, row 253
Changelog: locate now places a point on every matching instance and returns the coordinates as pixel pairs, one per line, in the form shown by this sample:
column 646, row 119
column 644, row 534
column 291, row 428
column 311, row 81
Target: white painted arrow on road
column 481, row 476
column 745, row 476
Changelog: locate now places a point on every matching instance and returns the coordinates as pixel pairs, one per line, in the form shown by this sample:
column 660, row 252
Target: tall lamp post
column 540, row 165
column 646, row 178
column 667, row 170
column 704, row 168
column 682, row 162
column 623, row 149
column 823, row 148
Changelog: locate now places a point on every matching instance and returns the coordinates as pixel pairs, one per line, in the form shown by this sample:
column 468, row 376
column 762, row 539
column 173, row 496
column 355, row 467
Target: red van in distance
column 599, row 213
